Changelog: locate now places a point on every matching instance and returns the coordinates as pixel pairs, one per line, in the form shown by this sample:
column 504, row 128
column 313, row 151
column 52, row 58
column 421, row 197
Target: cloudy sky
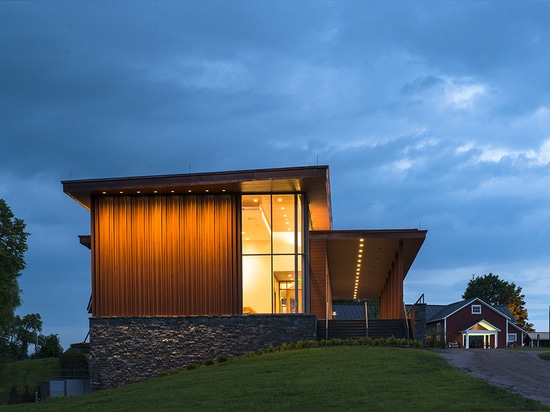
column 430, row 114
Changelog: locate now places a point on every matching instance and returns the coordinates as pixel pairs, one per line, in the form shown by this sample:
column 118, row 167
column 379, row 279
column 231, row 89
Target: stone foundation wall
column 419, row 319
column 131, row 349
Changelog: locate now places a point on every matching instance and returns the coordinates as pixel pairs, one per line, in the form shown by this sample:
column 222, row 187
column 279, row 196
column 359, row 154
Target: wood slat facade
column 318, row 275
column 166, row 255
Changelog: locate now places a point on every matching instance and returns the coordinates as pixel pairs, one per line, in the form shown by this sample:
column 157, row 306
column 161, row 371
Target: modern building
column 190, row 266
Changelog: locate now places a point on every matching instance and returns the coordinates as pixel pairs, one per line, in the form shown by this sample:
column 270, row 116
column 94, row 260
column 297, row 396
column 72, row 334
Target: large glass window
column 272, row 248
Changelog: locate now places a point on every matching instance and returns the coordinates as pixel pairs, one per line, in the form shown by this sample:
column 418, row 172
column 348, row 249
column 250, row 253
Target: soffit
column 379, row 253
column 310, row 180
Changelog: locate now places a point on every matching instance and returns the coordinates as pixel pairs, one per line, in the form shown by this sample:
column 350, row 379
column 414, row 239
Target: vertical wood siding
column 165, row 255
column 318, row 280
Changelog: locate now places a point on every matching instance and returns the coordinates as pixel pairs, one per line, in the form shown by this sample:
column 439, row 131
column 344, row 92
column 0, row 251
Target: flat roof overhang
column 379, row 253
column 310, row 180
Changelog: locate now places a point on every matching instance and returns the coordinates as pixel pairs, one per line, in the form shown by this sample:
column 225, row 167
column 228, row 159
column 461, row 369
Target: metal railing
column 366, row 319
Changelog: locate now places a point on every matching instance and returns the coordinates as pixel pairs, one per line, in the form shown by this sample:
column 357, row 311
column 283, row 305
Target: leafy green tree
column 13, row 245
column 49, row 347
column 495, row 291
column 21, row 333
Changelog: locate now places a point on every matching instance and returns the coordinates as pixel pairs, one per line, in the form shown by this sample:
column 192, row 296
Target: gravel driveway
column 522, row 372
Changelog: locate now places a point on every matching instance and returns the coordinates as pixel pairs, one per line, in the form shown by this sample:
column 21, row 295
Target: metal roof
column 438, row 312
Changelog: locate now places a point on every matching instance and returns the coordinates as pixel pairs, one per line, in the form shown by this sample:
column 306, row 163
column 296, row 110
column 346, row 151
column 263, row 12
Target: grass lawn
column 330, row 378
column 24, row 373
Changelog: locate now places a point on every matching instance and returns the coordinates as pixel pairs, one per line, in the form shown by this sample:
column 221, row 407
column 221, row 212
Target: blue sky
column 430, row 114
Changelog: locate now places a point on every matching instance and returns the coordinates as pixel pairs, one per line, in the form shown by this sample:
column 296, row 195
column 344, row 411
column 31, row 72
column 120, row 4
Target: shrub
column 169, row 372
column 74, row 364
column 222, row 359
column 191, row 366
column 209, row 362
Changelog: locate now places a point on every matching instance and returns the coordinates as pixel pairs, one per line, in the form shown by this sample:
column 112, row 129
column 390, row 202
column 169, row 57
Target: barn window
column 476, row 309
column 512, row 337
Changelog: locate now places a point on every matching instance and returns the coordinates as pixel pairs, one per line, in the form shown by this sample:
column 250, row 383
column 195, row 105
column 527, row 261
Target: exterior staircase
column 378, row 328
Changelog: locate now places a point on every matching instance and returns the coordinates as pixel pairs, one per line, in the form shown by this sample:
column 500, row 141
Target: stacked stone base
column 131, row 349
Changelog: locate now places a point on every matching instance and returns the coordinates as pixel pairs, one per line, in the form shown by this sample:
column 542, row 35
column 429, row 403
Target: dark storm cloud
column 428, row 113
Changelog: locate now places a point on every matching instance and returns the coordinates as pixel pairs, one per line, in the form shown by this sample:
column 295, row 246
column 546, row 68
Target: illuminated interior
column 273, row 253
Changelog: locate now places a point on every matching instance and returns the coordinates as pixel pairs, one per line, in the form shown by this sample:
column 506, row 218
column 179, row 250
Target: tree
column 20, row 334
column 13, row 245
column 49, row 347
column 495, row 291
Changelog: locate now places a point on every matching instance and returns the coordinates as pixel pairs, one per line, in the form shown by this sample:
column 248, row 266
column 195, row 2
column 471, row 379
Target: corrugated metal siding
column 165, row 255
column 318, row 268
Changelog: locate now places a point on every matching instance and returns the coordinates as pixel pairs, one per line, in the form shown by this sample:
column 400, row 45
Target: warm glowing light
column 121, row 192
column 104, row 192
column 139, row 191
column 361, row 240
column 155, row 191
column 189, row 191
column 172, row 191
column 207, row 190
column 280, row 199
column 256, row 200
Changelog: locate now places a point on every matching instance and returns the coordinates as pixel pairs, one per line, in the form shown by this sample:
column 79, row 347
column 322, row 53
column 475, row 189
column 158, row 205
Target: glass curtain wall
column 273, row 253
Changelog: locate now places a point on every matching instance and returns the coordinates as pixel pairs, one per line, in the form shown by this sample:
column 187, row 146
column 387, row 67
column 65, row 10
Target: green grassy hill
column 330, row 378
column 22, row 374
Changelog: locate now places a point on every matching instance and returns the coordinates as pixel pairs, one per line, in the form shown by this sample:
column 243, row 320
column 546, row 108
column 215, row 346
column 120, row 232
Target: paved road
column 522, row 372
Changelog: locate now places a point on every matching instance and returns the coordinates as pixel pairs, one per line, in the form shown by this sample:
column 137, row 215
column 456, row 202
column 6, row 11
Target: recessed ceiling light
column 207, row 190
column 172, row 191
column 104, row 192
column 139, row 191
column 121, row 192
column 189, row 191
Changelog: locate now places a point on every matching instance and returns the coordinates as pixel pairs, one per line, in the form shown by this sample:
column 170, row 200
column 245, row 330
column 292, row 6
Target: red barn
column 472, row 323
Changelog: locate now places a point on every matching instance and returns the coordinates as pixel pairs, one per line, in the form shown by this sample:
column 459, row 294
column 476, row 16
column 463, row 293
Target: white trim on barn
column 480, row 328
